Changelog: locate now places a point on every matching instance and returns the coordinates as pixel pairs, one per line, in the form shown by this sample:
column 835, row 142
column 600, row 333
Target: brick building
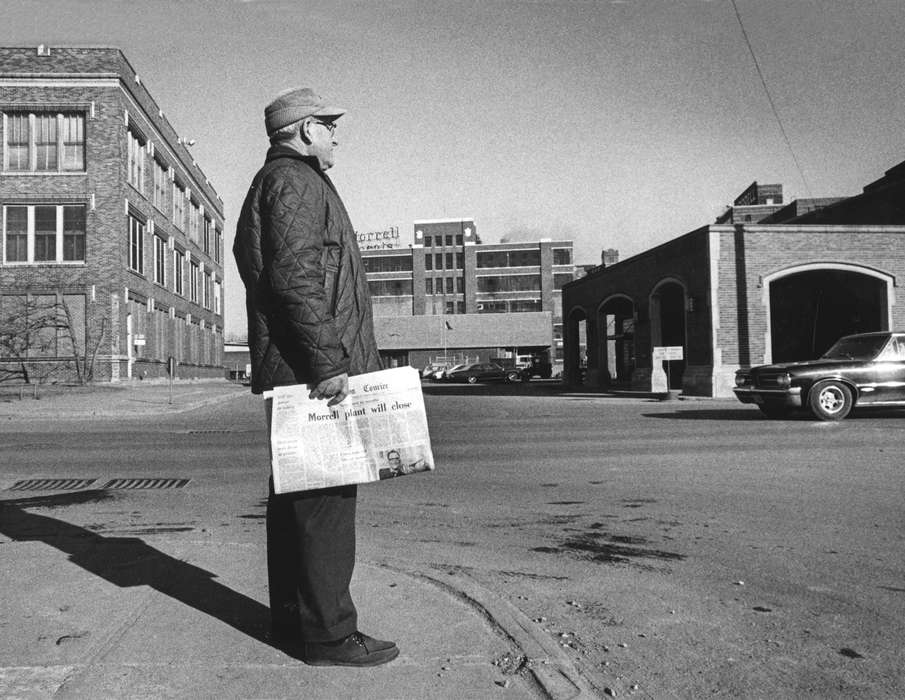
column 780, row 286
column 449, row 295
column 112, row 237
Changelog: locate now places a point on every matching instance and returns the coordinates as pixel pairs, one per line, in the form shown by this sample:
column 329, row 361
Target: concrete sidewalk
column 125, row 614
column 114, row 400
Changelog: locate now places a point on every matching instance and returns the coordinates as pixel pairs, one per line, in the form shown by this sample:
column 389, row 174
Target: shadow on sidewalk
column 129, row 561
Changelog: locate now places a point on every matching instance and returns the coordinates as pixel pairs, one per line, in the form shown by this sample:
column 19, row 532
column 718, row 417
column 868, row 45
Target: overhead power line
column 763, row 82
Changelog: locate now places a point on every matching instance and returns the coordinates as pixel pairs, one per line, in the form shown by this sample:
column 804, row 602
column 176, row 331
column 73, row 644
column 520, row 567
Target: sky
column 611, row 123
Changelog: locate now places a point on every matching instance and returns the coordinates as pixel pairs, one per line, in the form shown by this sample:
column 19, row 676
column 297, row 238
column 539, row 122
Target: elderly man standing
column 309, row 322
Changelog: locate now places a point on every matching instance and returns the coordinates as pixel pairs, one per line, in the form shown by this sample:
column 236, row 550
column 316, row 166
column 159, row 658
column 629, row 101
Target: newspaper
column 378, row 432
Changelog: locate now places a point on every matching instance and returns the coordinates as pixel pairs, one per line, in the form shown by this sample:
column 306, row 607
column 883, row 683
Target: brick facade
column 133, row 322
column 719, row 293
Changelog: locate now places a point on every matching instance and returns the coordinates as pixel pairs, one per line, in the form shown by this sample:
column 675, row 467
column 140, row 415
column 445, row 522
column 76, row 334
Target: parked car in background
column 474, row 372
column 529, row 366
column 867, row 369
column 440, row 374
column 537, row 367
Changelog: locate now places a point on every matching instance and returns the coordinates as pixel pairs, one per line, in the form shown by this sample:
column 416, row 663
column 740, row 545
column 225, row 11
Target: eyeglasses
column 330, row 126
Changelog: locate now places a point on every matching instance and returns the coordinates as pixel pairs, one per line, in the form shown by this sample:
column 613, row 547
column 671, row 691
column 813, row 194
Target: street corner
column 473, row 626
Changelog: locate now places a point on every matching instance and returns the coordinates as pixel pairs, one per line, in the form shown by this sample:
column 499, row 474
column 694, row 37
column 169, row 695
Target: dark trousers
column 310, row 558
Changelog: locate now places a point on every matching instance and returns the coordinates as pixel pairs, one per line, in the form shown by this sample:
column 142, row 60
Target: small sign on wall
column 668, row 352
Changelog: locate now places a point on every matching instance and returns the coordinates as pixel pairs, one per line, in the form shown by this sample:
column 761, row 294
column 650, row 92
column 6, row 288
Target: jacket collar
column 282, row 151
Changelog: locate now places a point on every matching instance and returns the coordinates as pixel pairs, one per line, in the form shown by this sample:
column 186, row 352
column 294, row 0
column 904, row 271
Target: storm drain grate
column 146, row 483
column 51, row 484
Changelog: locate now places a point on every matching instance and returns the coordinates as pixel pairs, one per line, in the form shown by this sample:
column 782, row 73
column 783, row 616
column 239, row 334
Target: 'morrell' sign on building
column 379, row 240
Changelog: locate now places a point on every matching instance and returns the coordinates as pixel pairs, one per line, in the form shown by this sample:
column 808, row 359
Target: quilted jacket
column 307, row 298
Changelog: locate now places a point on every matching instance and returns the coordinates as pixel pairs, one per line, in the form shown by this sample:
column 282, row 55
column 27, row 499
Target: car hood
column 821, row 364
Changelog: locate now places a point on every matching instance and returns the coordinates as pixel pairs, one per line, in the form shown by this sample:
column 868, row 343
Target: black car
column 867, row 369
column 481, row 372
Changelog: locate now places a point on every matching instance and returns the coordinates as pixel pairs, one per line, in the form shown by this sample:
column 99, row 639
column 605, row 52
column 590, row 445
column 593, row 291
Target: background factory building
column 112, row 237
column 450, row 296
column 769, row 282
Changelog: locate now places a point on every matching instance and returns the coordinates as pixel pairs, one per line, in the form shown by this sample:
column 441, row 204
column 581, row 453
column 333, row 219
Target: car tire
column 775, row 411
column 830, row 400
column 472, row 380
column 512, row 376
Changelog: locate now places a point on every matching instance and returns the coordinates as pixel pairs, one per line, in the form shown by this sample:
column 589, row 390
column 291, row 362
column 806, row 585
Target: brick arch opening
column 575, row 342
column 667, row 313
column 812, row 308
column 616, row 321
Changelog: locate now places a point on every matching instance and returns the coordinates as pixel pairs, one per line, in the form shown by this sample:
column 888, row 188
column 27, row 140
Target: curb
column 551, row 668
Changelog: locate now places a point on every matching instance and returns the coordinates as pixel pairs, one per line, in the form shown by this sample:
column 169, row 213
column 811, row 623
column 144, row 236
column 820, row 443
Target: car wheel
column 472, row 379
column 775, row 410
column 830, row 400
column 512, row 376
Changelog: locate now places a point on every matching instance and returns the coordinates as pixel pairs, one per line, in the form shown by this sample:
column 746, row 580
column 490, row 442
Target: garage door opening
column 668, row 325
column 617, row 317
column 809, row 311
column 575, row 364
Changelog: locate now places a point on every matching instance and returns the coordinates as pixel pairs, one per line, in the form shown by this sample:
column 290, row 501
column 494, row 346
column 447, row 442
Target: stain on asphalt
column 761, row 608
column 533, row 576
column 850, row 653
column 609, row 549
column 71, row 637
column 565, row 503
column 249, row 516
column 549, row 485
column 637, row 502
column 893, row 589
column 153, row 530
column 597, row 526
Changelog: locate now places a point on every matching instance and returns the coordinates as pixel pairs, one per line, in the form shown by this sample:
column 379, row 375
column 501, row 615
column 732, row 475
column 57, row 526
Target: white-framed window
column 136, row 160
column 178, row 272
column 43, row 233
column 194, row 215
column 193, row 282
column 218, row 245
column 160, row 260
column 179, row 205
column 44, row 141
column 218, row 291
column 206, row 291
column 206, row 235
column 161, row 185
column 136, row 244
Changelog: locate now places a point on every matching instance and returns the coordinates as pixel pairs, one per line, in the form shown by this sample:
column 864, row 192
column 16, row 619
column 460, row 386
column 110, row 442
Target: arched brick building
column 767, row 282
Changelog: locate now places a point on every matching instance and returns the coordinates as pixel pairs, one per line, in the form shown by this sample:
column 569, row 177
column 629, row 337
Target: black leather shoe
column 355, row 650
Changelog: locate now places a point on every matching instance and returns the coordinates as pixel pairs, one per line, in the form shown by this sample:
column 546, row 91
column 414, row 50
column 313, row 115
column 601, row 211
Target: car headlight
column 742, row 379
column 784, row 381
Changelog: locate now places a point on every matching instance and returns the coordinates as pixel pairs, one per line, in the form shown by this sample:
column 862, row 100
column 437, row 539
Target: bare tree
column 31, row 328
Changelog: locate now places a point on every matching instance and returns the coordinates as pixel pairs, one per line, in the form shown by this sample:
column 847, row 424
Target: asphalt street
column 671, row 549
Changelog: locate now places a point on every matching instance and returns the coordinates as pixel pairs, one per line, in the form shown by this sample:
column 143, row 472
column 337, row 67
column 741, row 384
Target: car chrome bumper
column 789, row 397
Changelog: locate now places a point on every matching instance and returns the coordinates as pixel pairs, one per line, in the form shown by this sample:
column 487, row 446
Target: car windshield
column 857, row 347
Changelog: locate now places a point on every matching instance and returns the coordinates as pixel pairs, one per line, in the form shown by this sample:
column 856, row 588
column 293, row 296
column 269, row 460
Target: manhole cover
column 51, row 484
column 147, row 483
